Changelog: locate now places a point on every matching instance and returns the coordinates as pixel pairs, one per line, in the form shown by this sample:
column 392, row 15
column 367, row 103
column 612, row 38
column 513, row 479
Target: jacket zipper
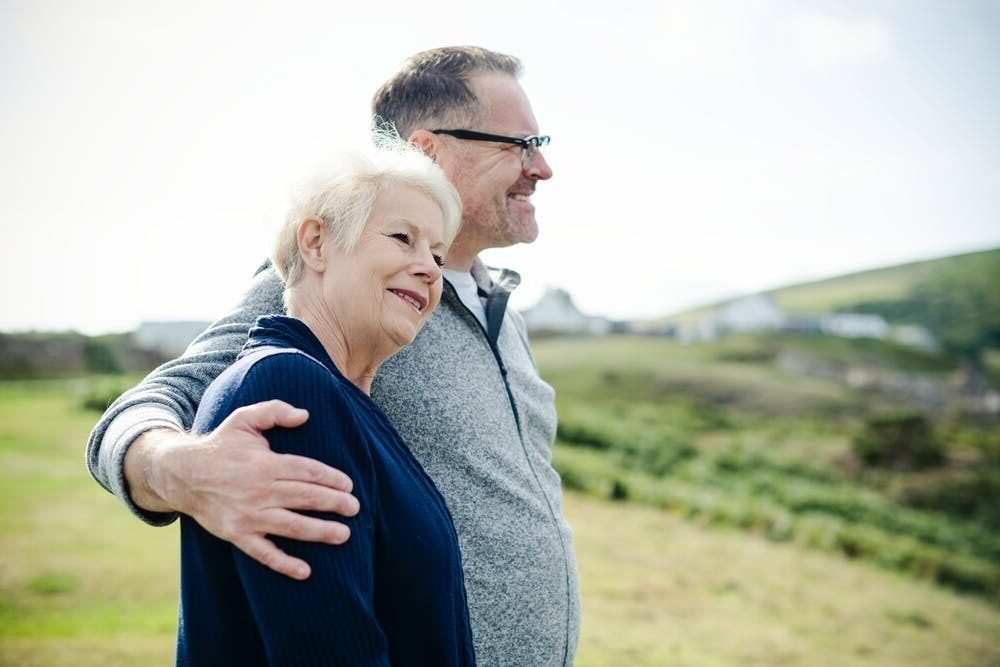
column 538, row 482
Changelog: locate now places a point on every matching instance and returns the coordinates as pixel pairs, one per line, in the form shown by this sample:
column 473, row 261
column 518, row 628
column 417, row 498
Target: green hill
column 884, row 284
column 955, row 297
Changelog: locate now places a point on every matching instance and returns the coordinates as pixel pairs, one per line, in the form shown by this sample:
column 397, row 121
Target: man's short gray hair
column 432, row 88
column 343, row 196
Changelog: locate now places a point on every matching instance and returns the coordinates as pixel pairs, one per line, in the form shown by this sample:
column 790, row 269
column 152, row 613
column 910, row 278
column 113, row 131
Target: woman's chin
column 402, row 336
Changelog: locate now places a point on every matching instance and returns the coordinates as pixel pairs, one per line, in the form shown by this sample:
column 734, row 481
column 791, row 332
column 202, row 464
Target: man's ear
column 427, row 142
column 310, row 237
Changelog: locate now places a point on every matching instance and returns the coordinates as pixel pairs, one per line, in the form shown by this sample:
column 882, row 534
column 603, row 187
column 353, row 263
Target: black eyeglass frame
column 534, row 141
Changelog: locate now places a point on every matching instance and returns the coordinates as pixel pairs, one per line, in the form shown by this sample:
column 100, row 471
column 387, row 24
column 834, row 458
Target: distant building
column 167, row 338
column 555, row 313
column 854, row 325
column 916, row 336
column 759, row 312
column 803, row 324
column 756, row 312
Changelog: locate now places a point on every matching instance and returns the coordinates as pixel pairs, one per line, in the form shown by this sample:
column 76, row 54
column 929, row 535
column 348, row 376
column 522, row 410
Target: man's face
column 494, row 186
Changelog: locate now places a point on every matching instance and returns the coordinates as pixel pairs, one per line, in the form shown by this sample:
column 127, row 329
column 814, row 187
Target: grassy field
column 83, row 583
column 658, row 590
column 734, row 440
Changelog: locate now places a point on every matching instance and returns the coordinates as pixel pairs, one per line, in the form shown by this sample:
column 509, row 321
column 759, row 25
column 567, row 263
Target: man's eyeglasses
column 529, row 145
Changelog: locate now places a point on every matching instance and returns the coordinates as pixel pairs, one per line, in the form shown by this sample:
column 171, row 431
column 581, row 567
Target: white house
column 854, row 325
column 916, row 336
column 555, row 312
column 756, row 312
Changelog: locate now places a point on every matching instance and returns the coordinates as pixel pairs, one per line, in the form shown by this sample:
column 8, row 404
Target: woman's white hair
column 343, row 196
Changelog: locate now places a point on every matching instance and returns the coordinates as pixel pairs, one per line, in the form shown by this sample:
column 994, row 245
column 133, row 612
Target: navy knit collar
column 283, row 331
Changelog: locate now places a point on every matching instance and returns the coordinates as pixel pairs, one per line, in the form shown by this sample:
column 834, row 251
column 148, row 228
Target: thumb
column 263, row 416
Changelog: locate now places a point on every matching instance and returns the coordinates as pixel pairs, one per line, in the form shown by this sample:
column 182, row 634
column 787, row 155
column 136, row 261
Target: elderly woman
column 360, row 253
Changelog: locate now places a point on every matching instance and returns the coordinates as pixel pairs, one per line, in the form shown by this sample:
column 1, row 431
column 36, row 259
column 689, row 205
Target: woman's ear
column 310, row 237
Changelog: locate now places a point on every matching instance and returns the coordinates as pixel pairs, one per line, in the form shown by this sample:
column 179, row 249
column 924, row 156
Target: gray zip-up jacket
column 471, row 406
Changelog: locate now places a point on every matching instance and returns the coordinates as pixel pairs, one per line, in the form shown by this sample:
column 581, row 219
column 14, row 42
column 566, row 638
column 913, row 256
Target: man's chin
column 522, row 231
column 529, row 234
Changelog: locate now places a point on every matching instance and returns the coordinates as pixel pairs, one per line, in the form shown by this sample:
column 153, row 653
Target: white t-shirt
column 468, row 292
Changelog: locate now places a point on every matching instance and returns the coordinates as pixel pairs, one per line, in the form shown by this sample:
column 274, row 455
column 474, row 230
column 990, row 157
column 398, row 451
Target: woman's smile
column 414, row 300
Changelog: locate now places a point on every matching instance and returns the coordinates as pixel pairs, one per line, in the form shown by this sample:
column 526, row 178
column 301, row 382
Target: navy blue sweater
column 393, row 594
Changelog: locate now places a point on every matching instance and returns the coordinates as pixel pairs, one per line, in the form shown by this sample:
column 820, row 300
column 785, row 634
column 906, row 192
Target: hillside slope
column 953, row 297
column 758, row 433
column 882, row 284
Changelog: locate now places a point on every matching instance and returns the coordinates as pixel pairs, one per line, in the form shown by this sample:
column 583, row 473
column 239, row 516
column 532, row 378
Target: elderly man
column 466, row 396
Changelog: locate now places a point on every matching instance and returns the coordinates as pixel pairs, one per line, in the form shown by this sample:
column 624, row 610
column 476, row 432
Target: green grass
column 81, row 581
column 626, row 369
column 723, row 435
column 84, row 583
column 991, row 364
column 833, row 352
column 661, row 590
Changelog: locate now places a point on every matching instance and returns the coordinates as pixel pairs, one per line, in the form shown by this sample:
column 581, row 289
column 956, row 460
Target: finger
column 304, row 496
column 264, row 552
column 285, row 523
column 304, row 469
column 268, row 414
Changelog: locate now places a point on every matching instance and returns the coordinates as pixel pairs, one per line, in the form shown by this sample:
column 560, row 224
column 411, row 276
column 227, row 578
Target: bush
column 99, row 357
column 970, row 496
column 101, row 395
column 899, row 441
column 638, row 445
column 619, row 490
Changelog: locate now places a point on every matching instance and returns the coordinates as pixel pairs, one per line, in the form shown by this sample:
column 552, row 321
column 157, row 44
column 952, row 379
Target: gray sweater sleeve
column 168, row 397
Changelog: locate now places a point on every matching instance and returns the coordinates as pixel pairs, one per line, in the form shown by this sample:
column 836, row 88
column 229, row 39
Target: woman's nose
column 427, row 266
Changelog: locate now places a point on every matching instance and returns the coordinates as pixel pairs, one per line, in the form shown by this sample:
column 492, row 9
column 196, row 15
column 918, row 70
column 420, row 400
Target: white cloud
column 825, row 40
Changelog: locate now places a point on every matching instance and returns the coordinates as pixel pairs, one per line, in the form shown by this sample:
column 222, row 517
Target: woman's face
column 389, row 284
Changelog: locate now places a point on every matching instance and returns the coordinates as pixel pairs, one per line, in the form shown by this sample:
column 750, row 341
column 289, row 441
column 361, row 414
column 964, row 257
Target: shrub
column 101, row 395
column 619, row 490
column 638, row 444
column 898, row 441
column 99, row 357
column 970, row 496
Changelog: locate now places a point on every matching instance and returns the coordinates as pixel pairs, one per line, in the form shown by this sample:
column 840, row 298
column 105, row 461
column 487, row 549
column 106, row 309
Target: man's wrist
column 145, row 469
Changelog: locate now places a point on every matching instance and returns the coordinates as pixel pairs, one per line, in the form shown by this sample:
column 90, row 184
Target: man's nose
column 537, row 167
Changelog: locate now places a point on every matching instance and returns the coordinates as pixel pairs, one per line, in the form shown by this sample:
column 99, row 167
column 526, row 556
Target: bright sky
column 701, row 149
